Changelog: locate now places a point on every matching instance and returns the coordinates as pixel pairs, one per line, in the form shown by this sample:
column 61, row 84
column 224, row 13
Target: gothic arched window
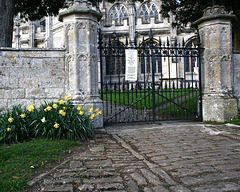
column 115, row 58
column 118, row 13
column 148, row 10
column 146, row 60
column 190, row 59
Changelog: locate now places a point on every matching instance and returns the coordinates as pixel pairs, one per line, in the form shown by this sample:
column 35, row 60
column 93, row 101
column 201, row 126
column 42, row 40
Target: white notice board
column 131, row 64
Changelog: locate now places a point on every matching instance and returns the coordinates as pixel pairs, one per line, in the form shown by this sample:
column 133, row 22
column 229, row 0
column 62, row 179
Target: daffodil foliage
column 52, row 120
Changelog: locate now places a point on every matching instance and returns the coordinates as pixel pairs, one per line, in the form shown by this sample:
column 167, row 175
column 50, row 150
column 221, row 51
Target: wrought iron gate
column 168, row 86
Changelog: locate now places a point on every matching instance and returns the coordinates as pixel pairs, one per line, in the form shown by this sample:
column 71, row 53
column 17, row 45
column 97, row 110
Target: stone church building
column 58, row 56
column 125, row 19
column 122, row 17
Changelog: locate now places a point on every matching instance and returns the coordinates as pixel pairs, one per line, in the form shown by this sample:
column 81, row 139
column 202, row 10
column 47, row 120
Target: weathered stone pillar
column 49, row 34
column 32, row 30
column 80, row 22
column 132, row 22
column 215, row 31
column 17, row 34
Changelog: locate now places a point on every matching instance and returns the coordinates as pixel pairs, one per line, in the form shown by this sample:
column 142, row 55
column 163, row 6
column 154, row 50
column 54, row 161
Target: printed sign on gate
column 131, row 64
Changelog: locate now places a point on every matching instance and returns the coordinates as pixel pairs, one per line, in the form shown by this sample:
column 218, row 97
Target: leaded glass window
column 148, row 10
column 145, row 58
column 190, row 60
column 118, row 13
column 115, row 59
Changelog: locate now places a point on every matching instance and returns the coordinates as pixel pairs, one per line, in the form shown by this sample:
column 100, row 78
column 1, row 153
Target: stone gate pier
column 80, row 23
column 215, row 29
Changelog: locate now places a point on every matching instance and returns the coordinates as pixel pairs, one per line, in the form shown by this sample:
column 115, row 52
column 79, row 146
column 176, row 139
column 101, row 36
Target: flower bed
column 54, row 120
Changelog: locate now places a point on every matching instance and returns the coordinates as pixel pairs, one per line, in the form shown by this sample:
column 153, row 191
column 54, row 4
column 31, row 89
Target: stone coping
column 213, row 13
column 31, row 49
column 236, row 52
column 79, row 10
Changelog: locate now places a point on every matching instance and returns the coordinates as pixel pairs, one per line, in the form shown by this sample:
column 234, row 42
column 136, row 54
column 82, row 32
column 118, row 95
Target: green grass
column 143, row 99
column 235, row 121
column 183, row 108
column 20, row 162
column 215, row 123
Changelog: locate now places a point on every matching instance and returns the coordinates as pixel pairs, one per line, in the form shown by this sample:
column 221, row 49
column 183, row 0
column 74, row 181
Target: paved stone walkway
column 167, row 157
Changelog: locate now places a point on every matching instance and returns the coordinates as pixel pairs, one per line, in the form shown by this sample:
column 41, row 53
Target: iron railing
column 168, row 85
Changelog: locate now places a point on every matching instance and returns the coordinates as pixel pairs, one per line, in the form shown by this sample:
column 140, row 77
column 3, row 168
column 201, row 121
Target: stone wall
column 31, row 76
column 236, row 76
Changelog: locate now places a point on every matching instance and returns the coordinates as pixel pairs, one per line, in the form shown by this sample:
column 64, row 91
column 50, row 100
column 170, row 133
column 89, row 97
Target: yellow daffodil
column 22, row 116
column 91, row 110
column 92, row 116
column 30, row 108
column 66, row 97
column 61, row 102
column 10, row 120
column 56, row 125
column 97, row 110
column 100, row 112
column 79, row 108
column 45, row 109
column 61, row 112
column 64, row 108
column 81, row 112
column 54, row 106
column 8, row 129
column 49, row 108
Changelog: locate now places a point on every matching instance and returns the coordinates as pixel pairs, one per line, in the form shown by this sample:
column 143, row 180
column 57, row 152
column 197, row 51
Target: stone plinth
column 218, row 108
column 215, row 31
column 80, row 22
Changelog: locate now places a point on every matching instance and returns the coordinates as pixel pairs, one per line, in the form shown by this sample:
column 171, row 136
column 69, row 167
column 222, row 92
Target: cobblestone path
column 175, row 157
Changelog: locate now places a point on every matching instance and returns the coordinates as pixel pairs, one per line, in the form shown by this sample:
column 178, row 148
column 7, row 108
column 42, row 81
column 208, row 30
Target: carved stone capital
column 82, row 57
column 68, row 26
column 81, row 24
column 69, row 57
column 93, row 27
column 79, row 96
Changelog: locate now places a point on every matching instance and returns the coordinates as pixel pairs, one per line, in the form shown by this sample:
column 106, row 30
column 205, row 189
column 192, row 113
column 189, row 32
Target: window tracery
column 118, row 13
column 148, row 10
column 115, row 61
column 190, row 60
column 145, row 58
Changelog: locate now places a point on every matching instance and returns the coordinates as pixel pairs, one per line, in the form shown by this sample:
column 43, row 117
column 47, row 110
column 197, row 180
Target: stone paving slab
column 166, row 157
